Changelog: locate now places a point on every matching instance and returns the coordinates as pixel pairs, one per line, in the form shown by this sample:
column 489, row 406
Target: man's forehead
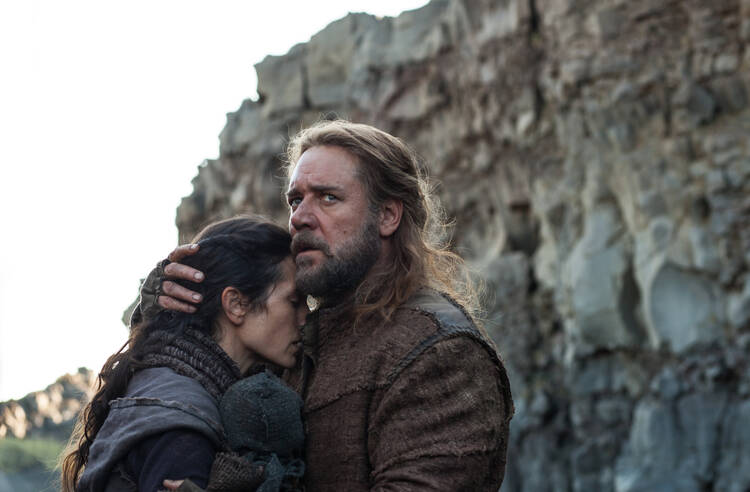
column 324, row 167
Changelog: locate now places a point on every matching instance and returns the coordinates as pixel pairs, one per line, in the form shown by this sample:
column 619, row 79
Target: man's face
column 335, row 236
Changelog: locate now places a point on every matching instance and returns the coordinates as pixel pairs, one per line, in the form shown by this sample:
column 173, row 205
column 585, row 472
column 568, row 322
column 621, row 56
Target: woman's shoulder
column 160, row 394
column 157, row 401
column 166, row 384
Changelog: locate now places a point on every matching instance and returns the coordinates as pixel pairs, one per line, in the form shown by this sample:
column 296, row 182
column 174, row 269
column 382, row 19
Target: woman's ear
column 390, row 217
column 234, row 305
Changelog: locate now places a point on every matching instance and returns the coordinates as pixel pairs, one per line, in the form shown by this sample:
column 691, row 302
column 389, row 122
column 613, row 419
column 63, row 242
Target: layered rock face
column 596, row 159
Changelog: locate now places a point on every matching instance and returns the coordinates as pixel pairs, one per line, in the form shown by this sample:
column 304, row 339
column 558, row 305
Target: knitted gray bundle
column 262, row 419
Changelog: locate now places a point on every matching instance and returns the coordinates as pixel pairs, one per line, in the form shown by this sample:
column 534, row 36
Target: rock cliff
column 596, row 158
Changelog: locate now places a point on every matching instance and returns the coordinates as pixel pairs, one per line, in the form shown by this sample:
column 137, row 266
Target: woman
column 155, row 415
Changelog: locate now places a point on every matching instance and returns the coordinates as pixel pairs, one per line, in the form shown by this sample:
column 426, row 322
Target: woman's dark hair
column 243, row 252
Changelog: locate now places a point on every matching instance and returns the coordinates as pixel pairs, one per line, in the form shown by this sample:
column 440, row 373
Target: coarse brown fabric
column 420, row 402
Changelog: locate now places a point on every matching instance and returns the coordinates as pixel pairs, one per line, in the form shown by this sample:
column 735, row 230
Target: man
column 401, row 389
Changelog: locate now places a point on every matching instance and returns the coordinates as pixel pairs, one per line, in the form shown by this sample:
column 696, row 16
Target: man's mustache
column 306, row 240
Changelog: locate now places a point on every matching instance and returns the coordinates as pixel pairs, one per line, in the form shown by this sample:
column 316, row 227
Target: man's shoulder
column 437, row 306
column 432, row 315
column 436, row 320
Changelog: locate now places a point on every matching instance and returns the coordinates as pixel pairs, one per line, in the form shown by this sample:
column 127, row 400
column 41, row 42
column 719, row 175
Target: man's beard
column 340, row 273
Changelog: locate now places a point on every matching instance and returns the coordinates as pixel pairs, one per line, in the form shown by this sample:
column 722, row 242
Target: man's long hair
column 421, row 258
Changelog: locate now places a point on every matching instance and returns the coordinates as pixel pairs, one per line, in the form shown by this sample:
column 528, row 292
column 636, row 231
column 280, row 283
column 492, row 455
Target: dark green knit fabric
column 262, row 418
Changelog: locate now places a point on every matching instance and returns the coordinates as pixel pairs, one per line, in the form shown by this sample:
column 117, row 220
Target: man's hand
column 182, row 486
column 174, row 296
column 172, row 484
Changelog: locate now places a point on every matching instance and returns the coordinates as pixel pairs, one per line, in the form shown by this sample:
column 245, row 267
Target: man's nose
column 303, row 216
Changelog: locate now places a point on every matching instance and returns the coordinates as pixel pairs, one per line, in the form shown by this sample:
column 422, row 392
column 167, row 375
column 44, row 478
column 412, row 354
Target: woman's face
column 273, row 333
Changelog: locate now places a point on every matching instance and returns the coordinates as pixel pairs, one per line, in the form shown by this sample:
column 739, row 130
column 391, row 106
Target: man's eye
column 329, row 198
column 293, row 202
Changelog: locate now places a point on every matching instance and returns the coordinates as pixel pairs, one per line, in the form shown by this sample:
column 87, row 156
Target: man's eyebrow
column 326, row 188
column 317, row 189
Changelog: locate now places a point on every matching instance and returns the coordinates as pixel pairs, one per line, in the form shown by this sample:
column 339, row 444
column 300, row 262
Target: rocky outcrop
column 596, row 158
column 50, row 413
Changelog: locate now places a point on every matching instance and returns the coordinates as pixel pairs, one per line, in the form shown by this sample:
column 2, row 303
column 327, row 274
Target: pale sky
column 106, row 110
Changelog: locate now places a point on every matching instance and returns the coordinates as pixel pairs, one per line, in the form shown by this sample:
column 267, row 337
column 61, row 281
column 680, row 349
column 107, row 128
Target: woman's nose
column 302, row 312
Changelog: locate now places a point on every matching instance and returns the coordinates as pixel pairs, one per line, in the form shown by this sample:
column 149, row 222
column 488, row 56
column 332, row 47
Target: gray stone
column 622, row 136
column 609, row 22
column 597, row 376
column 599, row 481
column 716, row 181
column 613, row 410
column 581, row 411
column 726, row 62
column 574, row 70
column 733, row 467
column 418, row 34
column 739, row 306
column 731, row 94
column 650, row 461
column 667, row 384
column 738, row 173
column 726, row 157
column 524, row 122
column 683, row 308
column 541, row 405
column 416, row 101
column 602, row 291
column 502, row 20
column 586, row 459
column 243, row 128
column 706, row 255
column 700, row 105
column 281, row 82
column 623, row 91
column 538, row 476
column 331, row 59
column 660, row 456
column 702, row 414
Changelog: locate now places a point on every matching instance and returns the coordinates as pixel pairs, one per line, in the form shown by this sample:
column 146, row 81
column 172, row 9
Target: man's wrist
column 151, row 289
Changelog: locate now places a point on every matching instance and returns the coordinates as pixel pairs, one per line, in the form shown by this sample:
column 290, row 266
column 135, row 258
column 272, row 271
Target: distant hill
column 35, row 429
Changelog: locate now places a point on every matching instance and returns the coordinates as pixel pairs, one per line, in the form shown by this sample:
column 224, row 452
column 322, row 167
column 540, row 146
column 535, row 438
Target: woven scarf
column 194, row 355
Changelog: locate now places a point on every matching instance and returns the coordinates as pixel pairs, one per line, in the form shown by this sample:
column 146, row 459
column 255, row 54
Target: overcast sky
column 106, row 110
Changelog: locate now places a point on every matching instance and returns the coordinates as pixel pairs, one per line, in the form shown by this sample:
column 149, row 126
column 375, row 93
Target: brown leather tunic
column 421, row 402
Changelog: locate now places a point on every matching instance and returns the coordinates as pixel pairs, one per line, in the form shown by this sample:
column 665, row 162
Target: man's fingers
column 172, row 484
column 173, row 289
column 182, row 251
column 184, row 272
column 173, row 304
